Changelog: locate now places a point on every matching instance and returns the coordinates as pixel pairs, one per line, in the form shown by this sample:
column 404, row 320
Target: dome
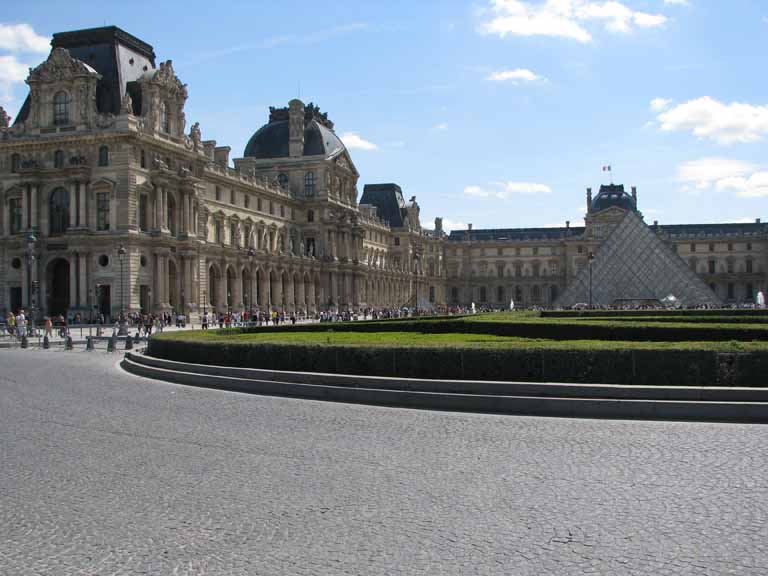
column 612, row 195
column 271, row 141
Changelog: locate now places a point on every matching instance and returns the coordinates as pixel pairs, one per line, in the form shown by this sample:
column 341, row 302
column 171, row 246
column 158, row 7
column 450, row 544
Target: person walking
column 48, row 327
column 21, row 324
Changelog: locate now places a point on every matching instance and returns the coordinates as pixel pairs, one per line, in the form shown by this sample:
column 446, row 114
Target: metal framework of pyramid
column 635, row 264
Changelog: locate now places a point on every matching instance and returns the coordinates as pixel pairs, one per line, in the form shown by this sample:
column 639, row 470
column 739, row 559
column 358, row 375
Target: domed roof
column 612, row 195
column 271, row 140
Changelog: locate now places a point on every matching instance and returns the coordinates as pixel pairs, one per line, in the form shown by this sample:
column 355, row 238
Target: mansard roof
column 116, row 55
column 519, row 234
column 388, row 200
column 715, row 230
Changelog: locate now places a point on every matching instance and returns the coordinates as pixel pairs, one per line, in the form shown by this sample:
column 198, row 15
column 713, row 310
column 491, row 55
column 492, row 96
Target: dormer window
column 61, row 108
column 165, row 123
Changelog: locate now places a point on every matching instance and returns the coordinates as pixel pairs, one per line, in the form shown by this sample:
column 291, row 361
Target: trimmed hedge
column 637, row 367
column 678, row 313
column 547, row 330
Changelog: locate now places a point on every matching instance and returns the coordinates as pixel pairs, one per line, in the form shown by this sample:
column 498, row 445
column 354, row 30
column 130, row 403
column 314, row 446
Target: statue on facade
column 196, row 135
column 126, row 106
column 5, row 120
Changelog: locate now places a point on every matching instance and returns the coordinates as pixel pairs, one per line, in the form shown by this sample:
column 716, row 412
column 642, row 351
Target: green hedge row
column 637, row 367
column 725, row 312
column 554, row 331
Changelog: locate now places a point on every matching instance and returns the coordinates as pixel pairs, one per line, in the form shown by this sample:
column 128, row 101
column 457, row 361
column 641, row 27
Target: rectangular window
column 499, row 251
column 483, row 294
column 693, row 247
column 749, row 266
column 217, row 235
column 731, row 292
column 102, row 211
column 711, row 247
column 271, row 207
column 711, row 265
column 730, row 266
column 431, row 293
column 282, row 211
column 232, row 197
column 500, row 270
column 553, row 269
column 233, row 235
column 730, row 247
column 749, row 294
column 258, row 204
column 14, row 213
column 454, row 294
column 218, row 193
column 397, row 241
column 247, row 201
column 143, row 212
column 749, row 246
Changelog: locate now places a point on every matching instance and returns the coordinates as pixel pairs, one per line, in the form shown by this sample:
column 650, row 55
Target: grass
column 452, row 340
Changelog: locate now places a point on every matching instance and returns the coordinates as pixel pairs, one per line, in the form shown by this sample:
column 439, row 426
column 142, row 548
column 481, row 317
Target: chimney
column 589, row 200
column 634, row 195
column 655, row 223
column 221, row 155
column 469, row 226
column 438, row 225
column 295, row 128
column 567, row 224
column 757, row 220
column 208, row 146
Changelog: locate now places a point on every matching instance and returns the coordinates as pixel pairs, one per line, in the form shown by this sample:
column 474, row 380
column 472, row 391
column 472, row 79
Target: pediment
column 59, row 67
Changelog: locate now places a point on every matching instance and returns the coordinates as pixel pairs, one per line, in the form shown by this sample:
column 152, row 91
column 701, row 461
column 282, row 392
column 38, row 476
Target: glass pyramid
column 634, row 264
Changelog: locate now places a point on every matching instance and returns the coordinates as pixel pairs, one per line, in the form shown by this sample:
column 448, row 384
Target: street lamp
column 249, row 303
column 205, row 302
column 123, row 328
column 590, row 257
column 31, row 285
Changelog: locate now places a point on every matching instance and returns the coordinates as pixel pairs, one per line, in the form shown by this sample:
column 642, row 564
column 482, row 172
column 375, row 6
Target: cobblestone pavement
column 105, row 473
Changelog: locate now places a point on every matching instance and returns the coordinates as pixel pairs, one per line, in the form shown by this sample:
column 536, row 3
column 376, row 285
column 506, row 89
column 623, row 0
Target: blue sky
column 498, row 113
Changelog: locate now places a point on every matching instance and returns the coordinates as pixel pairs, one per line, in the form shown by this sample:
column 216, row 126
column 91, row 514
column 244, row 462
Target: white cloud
column 11, row 72
column 677, row 2
column 660, row 104
column 724, row 174
column 353, row 141
column 515, row 76
column 506, row 189
column 756, row 186
column 564, row 18
column 723, row 123
column 22, row 38
column 440, row 126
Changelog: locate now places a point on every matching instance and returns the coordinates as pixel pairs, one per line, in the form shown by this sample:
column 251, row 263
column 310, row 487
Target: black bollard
column 68, row 344
column 89, row 343
column 24, row 342
column 111, row 344
column 128, row 342
column 46, row 343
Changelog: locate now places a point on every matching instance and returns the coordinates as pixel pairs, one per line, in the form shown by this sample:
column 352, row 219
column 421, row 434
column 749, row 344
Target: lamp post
column 205, row 302
column 123, row 327
column 31, row 285
column 249, row 304
column 590, row 258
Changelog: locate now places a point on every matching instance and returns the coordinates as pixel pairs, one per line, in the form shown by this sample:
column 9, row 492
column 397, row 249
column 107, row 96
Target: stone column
column 302, row 302
column 34, row 199
column 72, row 204
column 73, row 257
column 83, row 279
column 82, row 215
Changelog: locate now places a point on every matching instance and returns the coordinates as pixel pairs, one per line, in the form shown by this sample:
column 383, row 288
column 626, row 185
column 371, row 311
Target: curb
column 522, row 398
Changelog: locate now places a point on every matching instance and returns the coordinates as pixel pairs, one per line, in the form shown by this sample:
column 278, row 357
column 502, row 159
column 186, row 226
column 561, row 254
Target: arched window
column 61, row 108
column 58, row 211
column 103, row 156
column 165, row 122
column 58, row 159
column 309, row 184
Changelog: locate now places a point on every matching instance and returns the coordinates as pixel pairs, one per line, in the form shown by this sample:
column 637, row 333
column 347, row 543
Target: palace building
column 109, row 202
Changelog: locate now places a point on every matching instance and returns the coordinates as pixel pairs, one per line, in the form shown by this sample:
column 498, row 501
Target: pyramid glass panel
column 634, row 264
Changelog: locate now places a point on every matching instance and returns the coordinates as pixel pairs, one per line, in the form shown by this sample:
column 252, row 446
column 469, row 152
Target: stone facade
column 286, row 234
column 130, row 210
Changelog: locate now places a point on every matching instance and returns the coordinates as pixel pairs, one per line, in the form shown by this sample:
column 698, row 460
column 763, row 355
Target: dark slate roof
column 715, row 230
column 612, row 195
column 518, row 234
column 119, row 57
column 388, row 200
column 271, row 141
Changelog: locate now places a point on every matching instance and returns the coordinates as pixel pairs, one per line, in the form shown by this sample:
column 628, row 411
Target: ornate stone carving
column 196, row 135
column 59, row 67
column 5, row 120
column 126, row 106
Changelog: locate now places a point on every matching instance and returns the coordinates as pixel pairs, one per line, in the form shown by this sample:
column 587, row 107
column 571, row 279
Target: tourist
column 21, row 324
column 48, row 327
